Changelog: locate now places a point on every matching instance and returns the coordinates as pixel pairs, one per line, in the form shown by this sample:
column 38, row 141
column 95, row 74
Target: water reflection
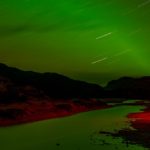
column 107, row 129
column 138, row 133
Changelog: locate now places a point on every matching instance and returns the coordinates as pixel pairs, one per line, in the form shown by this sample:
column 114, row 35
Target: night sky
column 91, row 40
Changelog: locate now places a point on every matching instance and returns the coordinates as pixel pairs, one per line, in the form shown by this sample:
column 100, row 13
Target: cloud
column 12, row 30
column 17, row 29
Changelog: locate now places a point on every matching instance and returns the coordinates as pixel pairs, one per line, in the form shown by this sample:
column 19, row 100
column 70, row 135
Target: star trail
column 66, row 36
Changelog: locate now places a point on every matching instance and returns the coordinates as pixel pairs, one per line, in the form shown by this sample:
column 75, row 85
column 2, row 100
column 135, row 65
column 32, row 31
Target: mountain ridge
column 27, row 96
column 52, row 84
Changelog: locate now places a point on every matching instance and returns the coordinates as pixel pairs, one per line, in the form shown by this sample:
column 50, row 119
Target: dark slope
column 14, row 81
column 27, row 96
column 16, row 84
column 127, row 87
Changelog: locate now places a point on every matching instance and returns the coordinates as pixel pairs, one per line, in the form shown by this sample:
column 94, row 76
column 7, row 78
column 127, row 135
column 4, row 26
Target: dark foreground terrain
column 27, row 96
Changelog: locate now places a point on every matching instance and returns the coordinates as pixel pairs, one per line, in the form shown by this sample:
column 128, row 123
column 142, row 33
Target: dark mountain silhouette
column 17, row 85
column 127, row 87
column 13, row 82
column 27, row 96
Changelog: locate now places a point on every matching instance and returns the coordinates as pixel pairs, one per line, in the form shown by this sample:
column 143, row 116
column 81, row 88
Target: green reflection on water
column 70, row 133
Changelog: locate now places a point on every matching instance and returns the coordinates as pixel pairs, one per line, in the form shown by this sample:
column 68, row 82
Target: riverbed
column 77, row 132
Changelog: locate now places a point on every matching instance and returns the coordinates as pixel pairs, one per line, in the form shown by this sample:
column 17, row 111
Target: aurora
column 90, row 40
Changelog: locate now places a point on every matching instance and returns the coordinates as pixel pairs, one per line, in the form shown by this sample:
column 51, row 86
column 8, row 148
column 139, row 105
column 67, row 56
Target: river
column 77, row 132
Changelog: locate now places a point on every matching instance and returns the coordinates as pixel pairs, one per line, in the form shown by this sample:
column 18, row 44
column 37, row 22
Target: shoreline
column 46, row 115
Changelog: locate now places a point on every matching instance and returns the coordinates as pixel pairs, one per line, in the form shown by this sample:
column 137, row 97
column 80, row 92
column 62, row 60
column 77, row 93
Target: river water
column 77, row 132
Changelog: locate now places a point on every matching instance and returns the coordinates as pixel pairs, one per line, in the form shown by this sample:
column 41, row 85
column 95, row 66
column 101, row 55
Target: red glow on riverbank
column 32, row 111
column 140, row 117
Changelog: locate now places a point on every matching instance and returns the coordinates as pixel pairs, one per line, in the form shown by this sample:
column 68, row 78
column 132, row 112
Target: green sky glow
column 67, row 36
